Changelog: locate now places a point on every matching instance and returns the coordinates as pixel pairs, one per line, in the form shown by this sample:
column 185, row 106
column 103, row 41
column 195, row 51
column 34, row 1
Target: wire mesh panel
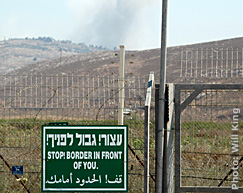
column 209, row 143
column 207, row 64
column 27, row 102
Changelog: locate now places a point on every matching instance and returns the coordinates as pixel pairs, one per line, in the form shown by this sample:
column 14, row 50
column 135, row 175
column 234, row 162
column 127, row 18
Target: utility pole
column 160, row 132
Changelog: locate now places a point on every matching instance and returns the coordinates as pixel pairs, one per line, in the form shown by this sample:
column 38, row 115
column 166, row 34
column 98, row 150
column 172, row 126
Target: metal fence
column 208, row 138
column 207, row 64
column 29, row 101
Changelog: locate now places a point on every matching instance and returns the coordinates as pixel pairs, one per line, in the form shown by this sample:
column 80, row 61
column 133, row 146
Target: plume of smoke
column 134, row 23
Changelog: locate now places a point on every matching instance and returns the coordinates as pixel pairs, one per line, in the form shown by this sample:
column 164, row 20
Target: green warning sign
column 84, row 158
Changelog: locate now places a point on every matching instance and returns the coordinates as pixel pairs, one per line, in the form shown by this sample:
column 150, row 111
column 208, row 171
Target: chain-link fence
column 27, row 102
column 209, row 143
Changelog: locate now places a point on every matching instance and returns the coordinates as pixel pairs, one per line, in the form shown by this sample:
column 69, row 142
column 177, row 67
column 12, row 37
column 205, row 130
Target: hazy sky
column 134, row 23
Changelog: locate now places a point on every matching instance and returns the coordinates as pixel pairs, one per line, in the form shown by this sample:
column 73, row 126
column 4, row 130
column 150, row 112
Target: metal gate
column 208, row 138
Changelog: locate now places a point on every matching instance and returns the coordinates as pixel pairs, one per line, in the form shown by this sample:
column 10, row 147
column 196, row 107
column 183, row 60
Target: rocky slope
column 17, row 53
column 138, row 63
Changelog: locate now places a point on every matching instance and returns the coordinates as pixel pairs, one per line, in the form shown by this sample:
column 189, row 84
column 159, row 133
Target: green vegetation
column 206, row 149
column 206, row 152
column 20, row 144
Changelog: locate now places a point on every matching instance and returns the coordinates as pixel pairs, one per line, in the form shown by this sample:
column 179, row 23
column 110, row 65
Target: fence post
column 170, row 142
column 167, row 165
column 166, row 119
column 161, row 123
column 121, row 85
column 146, row 132
column 156, row 136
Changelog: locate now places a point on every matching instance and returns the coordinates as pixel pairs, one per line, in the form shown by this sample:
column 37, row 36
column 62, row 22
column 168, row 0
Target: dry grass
column 207, row 153
column 20, row 144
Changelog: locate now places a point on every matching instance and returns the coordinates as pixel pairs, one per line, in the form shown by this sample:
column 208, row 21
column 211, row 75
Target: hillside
column 138, row 63
column 17, row 53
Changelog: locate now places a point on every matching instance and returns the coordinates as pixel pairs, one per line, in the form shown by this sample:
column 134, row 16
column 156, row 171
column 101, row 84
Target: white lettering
column 79, row 155
column 110, row 139
column 56, row 155
column 111, row 155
